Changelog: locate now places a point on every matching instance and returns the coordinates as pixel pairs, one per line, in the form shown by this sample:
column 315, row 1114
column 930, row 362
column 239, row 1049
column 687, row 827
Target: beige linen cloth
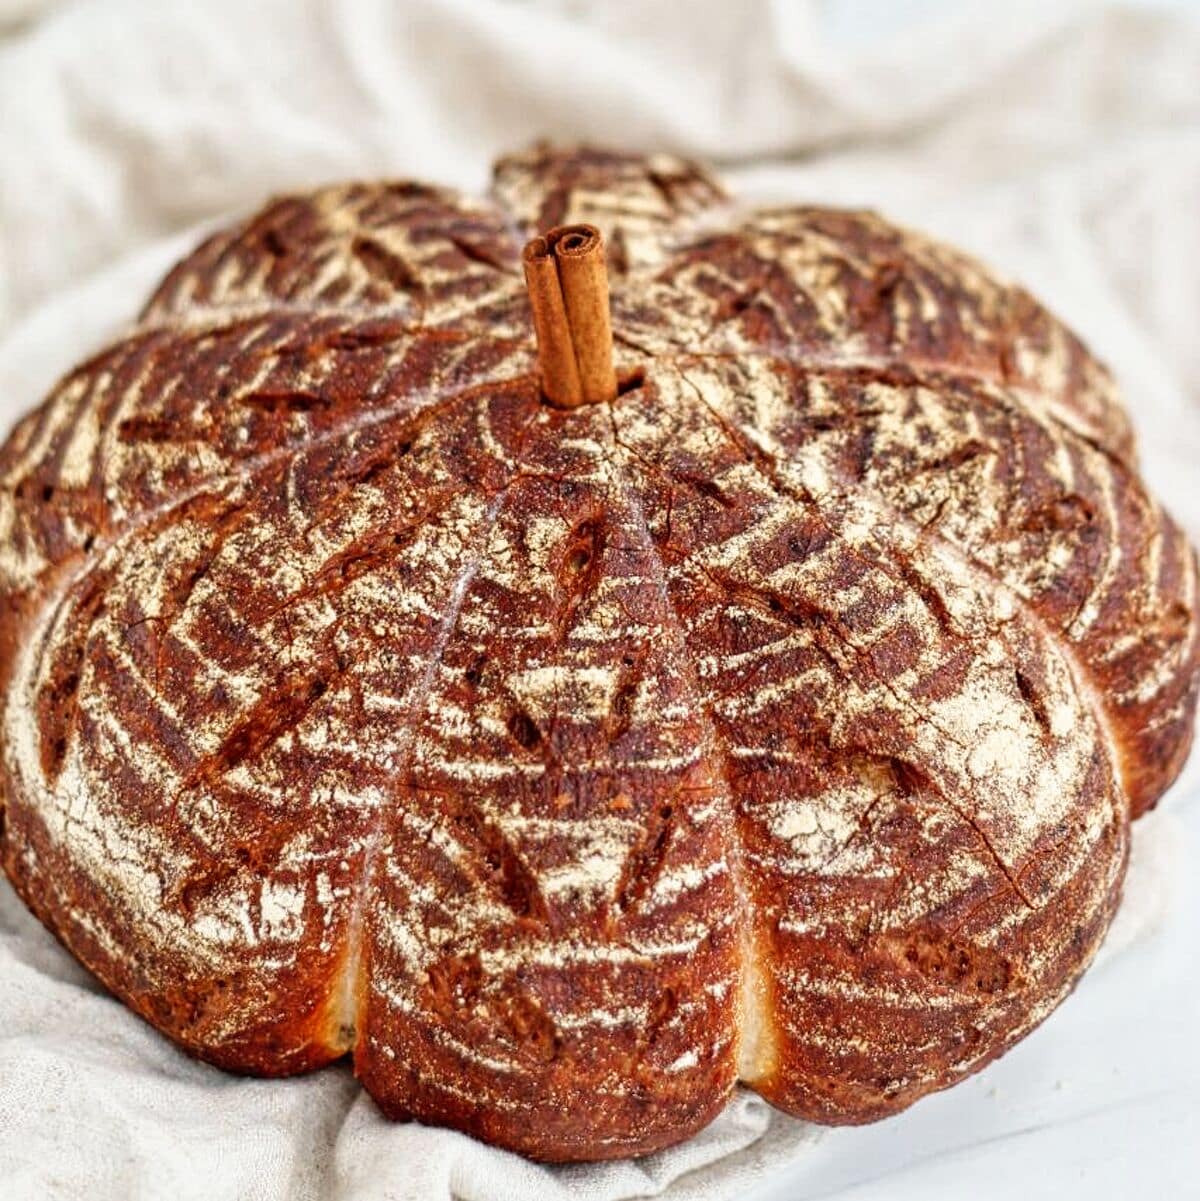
column 1059, row 141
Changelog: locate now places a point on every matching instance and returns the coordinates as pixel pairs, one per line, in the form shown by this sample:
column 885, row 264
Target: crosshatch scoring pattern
column 779, row 721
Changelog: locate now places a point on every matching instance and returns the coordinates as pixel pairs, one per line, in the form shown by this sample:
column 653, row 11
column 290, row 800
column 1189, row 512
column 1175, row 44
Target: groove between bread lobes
column 777, row 720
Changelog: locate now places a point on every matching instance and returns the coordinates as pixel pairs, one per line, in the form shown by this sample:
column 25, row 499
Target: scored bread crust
column 780, row 721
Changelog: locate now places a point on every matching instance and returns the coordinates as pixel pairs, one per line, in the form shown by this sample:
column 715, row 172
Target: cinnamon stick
column 568, row 292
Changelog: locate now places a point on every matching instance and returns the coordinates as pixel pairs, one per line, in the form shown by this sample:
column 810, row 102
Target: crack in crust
column 781, row 720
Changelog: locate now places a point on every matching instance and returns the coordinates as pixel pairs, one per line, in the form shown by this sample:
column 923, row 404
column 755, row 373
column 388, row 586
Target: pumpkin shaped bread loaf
column 780, row 719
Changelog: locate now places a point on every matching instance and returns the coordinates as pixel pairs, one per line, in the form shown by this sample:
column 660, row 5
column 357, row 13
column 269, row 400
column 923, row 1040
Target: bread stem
column 568, row 293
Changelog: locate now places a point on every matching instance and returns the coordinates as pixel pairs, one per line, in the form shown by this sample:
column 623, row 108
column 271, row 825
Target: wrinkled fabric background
column 1061, row 142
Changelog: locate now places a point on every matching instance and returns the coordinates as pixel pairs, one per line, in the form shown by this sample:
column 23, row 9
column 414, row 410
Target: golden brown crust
column 780, row 721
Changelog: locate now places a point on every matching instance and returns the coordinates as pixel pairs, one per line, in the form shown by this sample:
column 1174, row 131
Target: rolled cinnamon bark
column 568, row 293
